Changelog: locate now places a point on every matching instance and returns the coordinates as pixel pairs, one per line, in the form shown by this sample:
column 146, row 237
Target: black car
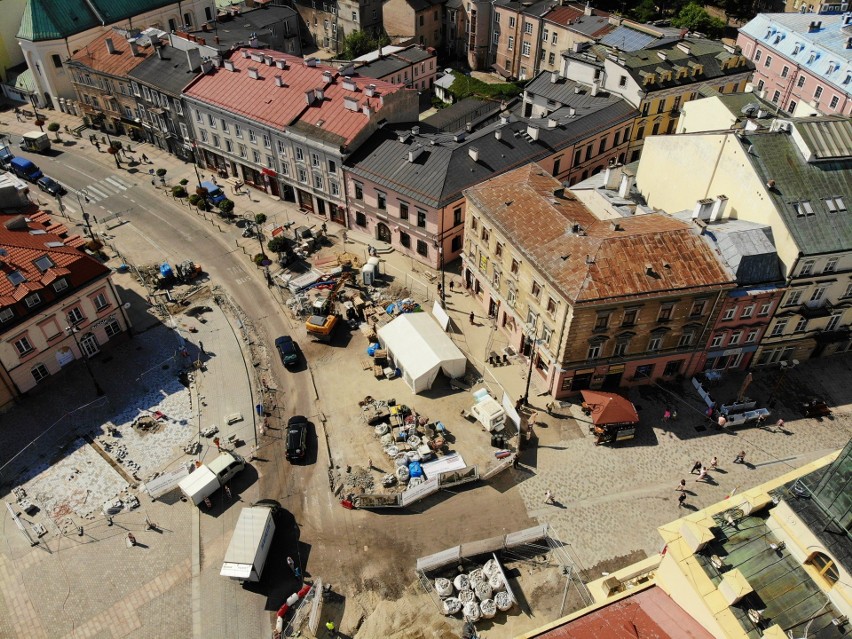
column 49, row 185
column 297, row 437
column 287, row 350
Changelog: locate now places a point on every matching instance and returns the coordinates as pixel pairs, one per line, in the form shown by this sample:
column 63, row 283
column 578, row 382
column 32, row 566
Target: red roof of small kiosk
column 609, row 408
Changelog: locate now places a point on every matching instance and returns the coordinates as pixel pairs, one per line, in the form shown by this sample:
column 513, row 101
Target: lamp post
column 191, row 148
column 443, row 294
column 253, row 221
column 83, row 211
column 533, row 339
column 72, row 329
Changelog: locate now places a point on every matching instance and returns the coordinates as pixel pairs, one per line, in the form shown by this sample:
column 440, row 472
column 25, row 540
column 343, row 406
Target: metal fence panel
column 419, row 492
column 526, row 536
column 439, row 559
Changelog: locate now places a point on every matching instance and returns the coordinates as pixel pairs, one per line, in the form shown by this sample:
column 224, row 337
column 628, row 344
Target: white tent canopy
column 419, row 348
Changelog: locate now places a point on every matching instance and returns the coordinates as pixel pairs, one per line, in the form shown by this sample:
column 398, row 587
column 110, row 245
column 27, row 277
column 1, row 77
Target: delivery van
column 214, row 193
column 35, row 141
column 25, row 169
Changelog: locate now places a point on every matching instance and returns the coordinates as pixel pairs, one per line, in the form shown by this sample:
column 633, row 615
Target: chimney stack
column 718, row 208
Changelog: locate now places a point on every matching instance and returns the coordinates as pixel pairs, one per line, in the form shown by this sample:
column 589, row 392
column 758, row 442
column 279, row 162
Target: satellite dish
column 126, row 305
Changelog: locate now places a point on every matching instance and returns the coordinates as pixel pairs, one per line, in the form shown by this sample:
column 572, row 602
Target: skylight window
column 803, row 208
column 16, row 278
column 835, row 205
column 43, row 263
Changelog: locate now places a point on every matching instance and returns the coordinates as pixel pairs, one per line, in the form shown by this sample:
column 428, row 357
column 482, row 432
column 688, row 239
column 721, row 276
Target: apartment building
column 418, row 21
column 802, row 62
column 405, row 185
column 412, row 66
column 52, row 32
column 659, row 78
column 99, row 75
column 326, row 23
column 57, row 304
column 566, row 26
column 793, row 176
column 596, row 302
column 286, row 125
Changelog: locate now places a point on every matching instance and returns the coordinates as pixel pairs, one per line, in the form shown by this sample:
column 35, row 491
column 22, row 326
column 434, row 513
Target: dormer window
column 43, row 263
column 32, row 300
column 797, row 48
column 60, row 285
column 803, row 208
column 15, row 277
column 6, row 314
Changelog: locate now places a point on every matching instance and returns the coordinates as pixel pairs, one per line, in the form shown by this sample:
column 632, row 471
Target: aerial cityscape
column 423, row 319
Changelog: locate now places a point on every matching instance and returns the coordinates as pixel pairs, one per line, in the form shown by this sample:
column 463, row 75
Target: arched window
column 826, row 567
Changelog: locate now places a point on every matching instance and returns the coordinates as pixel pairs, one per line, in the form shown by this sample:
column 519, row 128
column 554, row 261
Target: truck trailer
column 208, row 478
column 249, row 547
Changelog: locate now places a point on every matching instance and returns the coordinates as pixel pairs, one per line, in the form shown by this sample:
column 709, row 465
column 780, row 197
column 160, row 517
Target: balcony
column 815, row 310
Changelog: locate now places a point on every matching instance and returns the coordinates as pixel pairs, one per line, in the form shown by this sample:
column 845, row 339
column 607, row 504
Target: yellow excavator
column 320, row 325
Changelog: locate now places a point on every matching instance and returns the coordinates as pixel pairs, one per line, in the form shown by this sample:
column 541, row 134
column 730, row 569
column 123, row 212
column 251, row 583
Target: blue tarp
column 414, row 469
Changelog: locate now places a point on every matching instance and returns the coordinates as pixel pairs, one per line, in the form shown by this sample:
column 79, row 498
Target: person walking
column 370, row 464
column 548, row 497
column 131, row 539
column 330, row 627
column 228, row 491
column 723, row 421
column 702, row 476
column 740, row 458
column 667, row 415
column 696, row 467
column 779, row 424
column 681, row 500
column 145, row 158
column 218, row 446
column 451, row 286
column 714, row 462
column 681, row 486
column 471, row 317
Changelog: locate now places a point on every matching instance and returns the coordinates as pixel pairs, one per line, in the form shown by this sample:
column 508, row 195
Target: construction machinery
column 321, row 323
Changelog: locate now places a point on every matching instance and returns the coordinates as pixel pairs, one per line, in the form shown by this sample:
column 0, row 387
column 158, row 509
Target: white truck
column 489, row 413
column 206, row 479
column 249, row 547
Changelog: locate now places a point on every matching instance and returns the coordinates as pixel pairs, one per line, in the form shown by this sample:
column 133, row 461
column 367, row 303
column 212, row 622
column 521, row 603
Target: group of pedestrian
column 703, row 474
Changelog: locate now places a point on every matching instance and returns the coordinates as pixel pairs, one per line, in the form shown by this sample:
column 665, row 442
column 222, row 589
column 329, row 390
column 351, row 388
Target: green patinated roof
column 56, row 19
column 25, row 82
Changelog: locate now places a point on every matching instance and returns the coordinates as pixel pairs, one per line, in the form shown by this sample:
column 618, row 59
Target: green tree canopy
column 358, row 43
column 695, row 18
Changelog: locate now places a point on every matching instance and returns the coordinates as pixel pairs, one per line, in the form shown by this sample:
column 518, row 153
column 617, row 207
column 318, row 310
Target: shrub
column 53, row 127
column 277, row 244
column 161, row 172
column 258, row 259
column 260, row 218
column 194, row 199
column 178, row 191
column 184, row 182
column 227, row 207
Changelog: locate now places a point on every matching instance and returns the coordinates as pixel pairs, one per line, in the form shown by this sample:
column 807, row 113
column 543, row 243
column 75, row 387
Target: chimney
column 253, row 73
column 587, row 10
column 577, row 89
column 193, row 59
column 532, row 131
column 319, row 94
column 246, row 54
column 473, row 152
column 350, row 104
column 415, row 130
column 504, row 117
column 159, row 51
column 702, row 209
column 814, row 26
column 206, row 65
column 414, row 153
column 459, row 137
column 309, row 97
column 572, row 111
column 628, row 179
column 612, row 177
column 229, row 65
column 253, row 42
column 498, row 134
column 311, row 62
column 279, row 82
column 367, row 110
column 134, row 48
column 110, row 46
column 281, row 64
column 370, row 91
column 267, row 60
column 595, row 88
column 327, row 77
column 554, row 77
column 718, row 208
column 349, row 84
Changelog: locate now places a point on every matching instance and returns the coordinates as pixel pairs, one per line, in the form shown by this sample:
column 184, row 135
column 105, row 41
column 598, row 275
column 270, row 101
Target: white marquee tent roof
column 420, row 349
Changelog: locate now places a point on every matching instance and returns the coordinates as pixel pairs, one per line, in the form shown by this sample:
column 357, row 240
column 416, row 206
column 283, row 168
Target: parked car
column 214, row 193
column 49, row 185
column 287, row 350
column 25, row 169
column 297, row 437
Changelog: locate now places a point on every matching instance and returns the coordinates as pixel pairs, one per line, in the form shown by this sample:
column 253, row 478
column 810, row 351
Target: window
column 594, row 351
column 622, row 81
column 497, row 18
column 525, row 49
column 620, row 348
column 785, row 71
column 23, row 346
column 403, row 210
column 752, row 336
column 630, row 317
column 716, row 342
column 75, row 316
column 112, row 329
column 39, row 373
column 332, row 166
column 801, row 325
column 553, row 38
column 819, row 293
column 528, row 27
column 655, row 343
column 834, row 101
column 544, row 35
column 672, row 368
column 498, row 250
column 267, row 141
column 551, row 58
column 748, row 311
column 315, row 160
column 551, row 305
column 686, row 339
column 421, row 219
column 830, row 266
column 485, row 236
column 60, row 285
column 360, row 219
column 817, row 93
column 100, row 301
column 252, row 136
column 779, row 328
column 335, row 188
column 300, row 154
column 757, row 55
column 835, row 204
column 32, row 300
column 800, row 82
column 760, row 84
column 833, row 321
column 359, row 191
column 768, row 61
column 697, row 308
column 405, row 239
column 792, row 106
column 225, row 127
column 807, row 267
column 6, row 314
column 303, row 176
column 43, row 263
column 764, row 309
column 511, row 22
column 238, row 131
column 422, row 248
column 317, row 181
column 381, row 200
column 511, row 43
column 216, row 140
column 243, row 151
column 515, row 267
column 666, row 311
column 729, row 313
column 255, row 155
column 602, row 321
column 210, row 119
column 736, row 336
column 536, row 290
column 825, row 567
column 776, row 96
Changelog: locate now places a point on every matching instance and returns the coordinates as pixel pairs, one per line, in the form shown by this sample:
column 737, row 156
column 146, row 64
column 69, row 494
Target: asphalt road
column 159, row 228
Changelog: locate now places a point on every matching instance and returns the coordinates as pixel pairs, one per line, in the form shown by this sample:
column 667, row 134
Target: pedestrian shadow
column 720, row 470
column 558, row 504
column 707, row 480
column 691, row 507
column 139, row 544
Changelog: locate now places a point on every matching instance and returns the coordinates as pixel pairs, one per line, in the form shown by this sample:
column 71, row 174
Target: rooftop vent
column 616, row 226
column 349, row 84
column 685, row 47
column 327, row 77
column 473, row 152
column 532, row 131
column 403, row 137
column 662, row 55
column 498, row 134
column 279, row 81
column 415, row 130
column 246, row 54
column 577, row 89
column 595, row 88
column 459, row 137
column 649, row 269
column 504, row 117
column 370, row 91
column 552, row 123
column 350, row 104
column 554, row 77
column 281, row 64
column 254, row 73
column 414, row 153
column 229, row 65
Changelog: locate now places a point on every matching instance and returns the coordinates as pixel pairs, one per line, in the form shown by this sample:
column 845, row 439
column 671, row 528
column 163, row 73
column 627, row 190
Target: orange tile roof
column 24, row 243
column 262, row 100
column 588, row 259
column 97, row 57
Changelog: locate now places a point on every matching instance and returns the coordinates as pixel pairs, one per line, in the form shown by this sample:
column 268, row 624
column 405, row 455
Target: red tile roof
column 567, row 15
column 262, row 100
column 24, row 243
column 648, row 614
column 97, row 57
column 588, row 259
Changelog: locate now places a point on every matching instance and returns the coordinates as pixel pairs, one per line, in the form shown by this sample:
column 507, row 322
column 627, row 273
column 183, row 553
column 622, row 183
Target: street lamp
column 191, row 148
column 441, row 254
column 533, row 340
column 82, row 210
column 73, row 332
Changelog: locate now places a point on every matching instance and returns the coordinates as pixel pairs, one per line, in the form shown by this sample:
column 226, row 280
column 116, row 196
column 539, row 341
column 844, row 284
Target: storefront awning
column 268, row 172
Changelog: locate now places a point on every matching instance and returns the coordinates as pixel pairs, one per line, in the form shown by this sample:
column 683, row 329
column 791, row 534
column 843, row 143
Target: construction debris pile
column 477, row 595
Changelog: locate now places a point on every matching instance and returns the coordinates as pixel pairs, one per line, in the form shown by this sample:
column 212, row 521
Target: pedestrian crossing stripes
column 101, row 190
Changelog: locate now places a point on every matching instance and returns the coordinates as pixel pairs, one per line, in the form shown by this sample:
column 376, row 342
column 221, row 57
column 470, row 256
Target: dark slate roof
column 55, row 19
column 422, row 5
column 708, row 53
column 455, row 117
column 171, row 74
column 775, row 156
column 414, row 54
column 537, row 8
column 383, row 67
column 444, row 167
column 238, row 31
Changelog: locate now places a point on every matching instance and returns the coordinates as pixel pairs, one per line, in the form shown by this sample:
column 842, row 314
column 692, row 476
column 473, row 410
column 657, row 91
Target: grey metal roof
column 455, row 117
column 775, row 156
column 444, row 167
column 627, row 39
column 239, row 30
column 383, row 67
column 414, row 54
column 828, row 138
column 171, row 74
column 564, row 91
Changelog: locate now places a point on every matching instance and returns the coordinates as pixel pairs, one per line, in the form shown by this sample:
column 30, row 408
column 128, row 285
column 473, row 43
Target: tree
column 695, row 18
column 645, row 11
column 356, row 44
column 226, row 207
column 260, row 218
column 278, row 244
column 53, row 127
